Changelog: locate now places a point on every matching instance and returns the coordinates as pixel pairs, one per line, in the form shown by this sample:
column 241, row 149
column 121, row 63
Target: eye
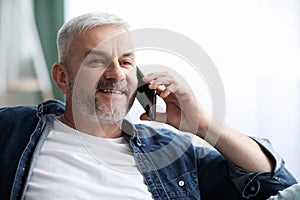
column 126, row 63
column 97, row 62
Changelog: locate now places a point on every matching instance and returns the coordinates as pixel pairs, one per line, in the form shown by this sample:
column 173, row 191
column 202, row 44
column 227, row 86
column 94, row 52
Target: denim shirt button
column 181, row 183
column 252, row 188
column 139, row 144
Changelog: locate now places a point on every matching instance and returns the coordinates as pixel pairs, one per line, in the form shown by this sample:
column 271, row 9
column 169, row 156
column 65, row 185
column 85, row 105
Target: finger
column 157, row 81
column 164, row 94
column 160, row 89
column 153, row 76
column 161, row 84
column 169, row 90
column 160, row 117
column 163, row 80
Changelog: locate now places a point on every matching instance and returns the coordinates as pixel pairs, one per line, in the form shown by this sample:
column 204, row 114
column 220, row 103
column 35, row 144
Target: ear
column 60, row 76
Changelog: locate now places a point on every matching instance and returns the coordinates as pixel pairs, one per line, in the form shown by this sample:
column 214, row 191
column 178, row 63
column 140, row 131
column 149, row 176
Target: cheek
column 86, row 80
column 132, row 80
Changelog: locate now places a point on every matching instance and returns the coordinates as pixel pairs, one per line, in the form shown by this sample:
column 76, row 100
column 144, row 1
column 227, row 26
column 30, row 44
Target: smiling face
column 102, row 75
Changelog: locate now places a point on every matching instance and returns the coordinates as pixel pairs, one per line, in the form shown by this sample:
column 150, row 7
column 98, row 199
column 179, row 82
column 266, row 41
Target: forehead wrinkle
column 117, row 46
column 96, row 52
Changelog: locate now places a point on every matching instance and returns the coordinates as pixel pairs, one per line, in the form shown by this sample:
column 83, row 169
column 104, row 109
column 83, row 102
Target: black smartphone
column 146, row 96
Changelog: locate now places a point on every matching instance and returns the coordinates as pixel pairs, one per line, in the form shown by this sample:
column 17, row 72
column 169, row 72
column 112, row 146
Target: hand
column 183, row 111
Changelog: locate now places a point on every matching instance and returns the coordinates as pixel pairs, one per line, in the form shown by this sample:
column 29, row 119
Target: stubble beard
column 91, row 107
column 113, row 113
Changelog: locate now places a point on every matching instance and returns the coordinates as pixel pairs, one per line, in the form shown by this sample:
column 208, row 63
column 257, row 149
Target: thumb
column 160, row 117
column 144, row 116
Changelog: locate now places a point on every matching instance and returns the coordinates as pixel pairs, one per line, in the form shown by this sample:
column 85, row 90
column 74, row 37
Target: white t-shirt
column 74, row 165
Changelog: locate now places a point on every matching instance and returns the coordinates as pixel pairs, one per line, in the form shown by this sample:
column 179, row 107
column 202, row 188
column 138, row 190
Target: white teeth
column 112, row 91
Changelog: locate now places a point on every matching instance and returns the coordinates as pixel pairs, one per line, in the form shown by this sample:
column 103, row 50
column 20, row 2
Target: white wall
column 255, row 46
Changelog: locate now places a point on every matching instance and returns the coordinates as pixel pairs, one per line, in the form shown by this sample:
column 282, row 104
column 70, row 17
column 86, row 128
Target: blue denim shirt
column 172, row 166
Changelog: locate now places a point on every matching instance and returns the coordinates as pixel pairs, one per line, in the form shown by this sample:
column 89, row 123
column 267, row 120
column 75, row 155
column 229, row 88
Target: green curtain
column 49, row 16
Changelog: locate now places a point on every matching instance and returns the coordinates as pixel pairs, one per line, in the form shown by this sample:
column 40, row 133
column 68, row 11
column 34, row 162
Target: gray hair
column 79, row 24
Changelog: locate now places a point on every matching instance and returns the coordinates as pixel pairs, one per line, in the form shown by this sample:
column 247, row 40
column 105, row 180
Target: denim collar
column 51, row 106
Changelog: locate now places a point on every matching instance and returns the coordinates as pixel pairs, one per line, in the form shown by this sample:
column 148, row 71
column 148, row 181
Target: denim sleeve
column 261, row 185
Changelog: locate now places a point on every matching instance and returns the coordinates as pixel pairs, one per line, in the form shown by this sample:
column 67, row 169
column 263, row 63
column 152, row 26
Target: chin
column 111, row 116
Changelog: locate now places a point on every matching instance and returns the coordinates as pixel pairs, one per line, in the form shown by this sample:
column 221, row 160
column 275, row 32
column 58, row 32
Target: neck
column 92, row 126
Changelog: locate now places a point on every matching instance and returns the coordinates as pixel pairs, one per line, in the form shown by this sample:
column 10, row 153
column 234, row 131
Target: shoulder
column 16, row 109
column 17, row 112
column 30, row 112
column 18, row 121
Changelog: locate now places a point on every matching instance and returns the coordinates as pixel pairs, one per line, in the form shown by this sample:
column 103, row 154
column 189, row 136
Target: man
column 84, row 149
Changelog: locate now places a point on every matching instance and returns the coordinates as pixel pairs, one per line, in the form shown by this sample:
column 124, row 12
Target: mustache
column 113, row 85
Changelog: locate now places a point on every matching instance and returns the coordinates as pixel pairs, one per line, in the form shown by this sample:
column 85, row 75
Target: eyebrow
column 103, row 53
column 129, row 54
column 96, row 52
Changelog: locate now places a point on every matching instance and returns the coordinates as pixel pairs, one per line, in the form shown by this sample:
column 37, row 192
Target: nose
column 114, row 71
